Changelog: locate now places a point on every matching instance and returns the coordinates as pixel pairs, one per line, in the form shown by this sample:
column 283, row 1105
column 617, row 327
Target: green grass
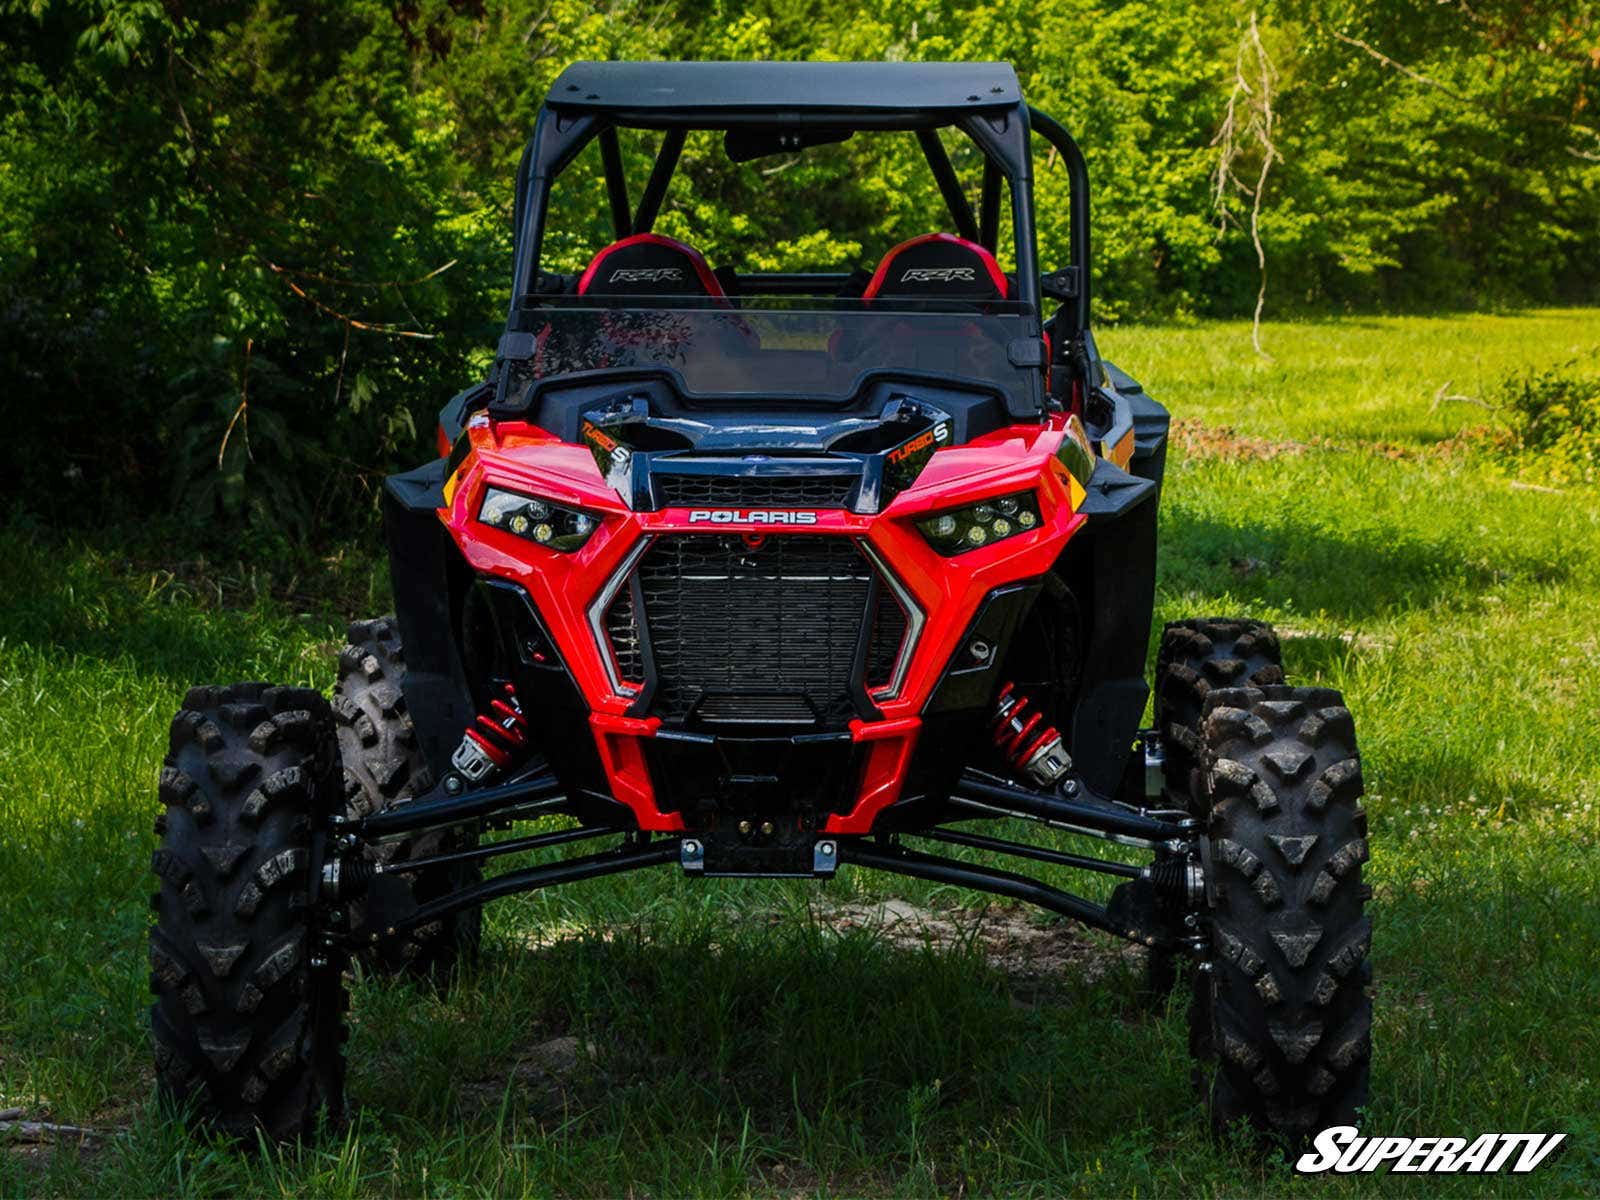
column 742, row 1041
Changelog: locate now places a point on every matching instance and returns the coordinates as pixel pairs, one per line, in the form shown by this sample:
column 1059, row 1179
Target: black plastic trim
column 1112, row 492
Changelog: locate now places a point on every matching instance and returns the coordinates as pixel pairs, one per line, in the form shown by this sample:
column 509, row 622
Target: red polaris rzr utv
column 754, row 574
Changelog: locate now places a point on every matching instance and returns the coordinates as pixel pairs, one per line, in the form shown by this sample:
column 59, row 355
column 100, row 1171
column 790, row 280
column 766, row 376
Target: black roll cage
column 1001, row 132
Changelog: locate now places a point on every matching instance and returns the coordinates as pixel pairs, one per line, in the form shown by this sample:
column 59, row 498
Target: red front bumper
column 948, row 591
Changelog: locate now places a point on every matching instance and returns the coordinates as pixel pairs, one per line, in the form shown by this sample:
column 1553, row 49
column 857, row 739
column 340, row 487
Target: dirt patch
column 543, row 1076
column 1356, row 640
column 1029, row 954
column 1010, row 939
column 1198, row 440
column 1222, row 441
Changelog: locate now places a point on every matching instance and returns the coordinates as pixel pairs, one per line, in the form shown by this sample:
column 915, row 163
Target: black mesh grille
column 742, row 491
column 888, row 632
column 769, row 630
column 754, row 709
column 622, row 625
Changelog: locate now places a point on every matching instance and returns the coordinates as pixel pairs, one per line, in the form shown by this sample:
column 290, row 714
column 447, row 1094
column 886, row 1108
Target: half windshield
column 767, row 351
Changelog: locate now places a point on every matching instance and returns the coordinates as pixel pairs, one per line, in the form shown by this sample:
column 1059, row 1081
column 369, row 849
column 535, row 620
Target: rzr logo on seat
column 647, row 275
column 939, row 275
column 754, row 516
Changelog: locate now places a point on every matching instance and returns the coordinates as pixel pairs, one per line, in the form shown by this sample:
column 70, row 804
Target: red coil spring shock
column 495, row 739
column 1029, row 743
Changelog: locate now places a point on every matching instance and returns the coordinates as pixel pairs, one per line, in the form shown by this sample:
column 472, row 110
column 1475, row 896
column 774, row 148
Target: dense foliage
column 1554, row 415
column 247, row 249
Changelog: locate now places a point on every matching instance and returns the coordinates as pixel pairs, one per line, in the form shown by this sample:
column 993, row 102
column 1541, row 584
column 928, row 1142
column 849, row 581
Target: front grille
column 766, row 629
column 744, row 491
column 888, row 633
column 752, row 708
column 622, row 626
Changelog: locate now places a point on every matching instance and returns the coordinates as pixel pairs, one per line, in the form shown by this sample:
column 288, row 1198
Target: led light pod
column 543, row 522
column 961, row 529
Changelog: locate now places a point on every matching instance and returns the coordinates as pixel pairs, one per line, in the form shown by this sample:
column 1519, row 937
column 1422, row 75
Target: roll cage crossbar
column 794, row 101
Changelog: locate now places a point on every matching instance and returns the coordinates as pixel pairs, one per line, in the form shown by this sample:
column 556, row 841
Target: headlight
column 961, row 529
column 539, row 521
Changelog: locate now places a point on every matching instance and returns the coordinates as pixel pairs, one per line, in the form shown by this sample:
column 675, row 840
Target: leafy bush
column 1555, row 417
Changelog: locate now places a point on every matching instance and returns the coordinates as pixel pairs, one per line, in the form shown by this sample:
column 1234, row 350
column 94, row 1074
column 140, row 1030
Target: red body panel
column 525, row 458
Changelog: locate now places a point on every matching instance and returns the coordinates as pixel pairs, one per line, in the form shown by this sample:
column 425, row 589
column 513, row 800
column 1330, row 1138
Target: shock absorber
column 495, row 740
column 1028, row 743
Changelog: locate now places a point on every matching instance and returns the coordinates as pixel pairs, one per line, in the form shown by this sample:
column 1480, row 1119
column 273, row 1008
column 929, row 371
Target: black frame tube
column 616, row 182
column 1054, row 132
column 547, row 155
column 448, row 810
column 1094, row 814
column 571, row 870
column 655, row 187
column 1016, row 161
column 487, row 850
column 1060, row 858
column 901, row 861
column 989, row 207
column 944, row 173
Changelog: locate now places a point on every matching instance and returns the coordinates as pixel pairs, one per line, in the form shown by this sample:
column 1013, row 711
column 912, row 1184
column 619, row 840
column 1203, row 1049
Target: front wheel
column 1282, row 1017
column 247, row 1022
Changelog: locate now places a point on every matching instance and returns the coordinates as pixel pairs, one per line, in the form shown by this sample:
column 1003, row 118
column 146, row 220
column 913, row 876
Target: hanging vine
column 1247, row 125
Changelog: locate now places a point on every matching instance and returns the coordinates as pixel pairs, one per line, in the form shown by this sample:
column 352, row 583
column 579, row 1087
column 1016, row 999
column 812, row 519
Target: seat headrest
column 649, row 264
column 939, row 266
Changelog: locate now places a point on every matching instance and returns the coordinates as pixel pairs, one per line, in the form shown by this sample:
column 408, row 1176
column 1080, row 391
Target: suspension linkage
column 1179, row 877
column 902, row 861
column 1078, row 811
column 541, row 788
column 343, row 878
column 631, row 856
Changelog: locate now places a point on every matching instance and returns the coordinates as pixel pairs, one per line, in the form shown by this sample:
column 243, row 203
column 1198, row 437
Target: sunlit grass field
column 652, row 1035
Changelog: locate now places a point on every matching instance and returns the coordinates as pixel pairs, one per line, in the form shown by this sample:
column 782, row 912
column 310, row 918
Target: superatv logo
column 647, row 275
column 939, row 275
column 754, row 516
column 1343, row 1150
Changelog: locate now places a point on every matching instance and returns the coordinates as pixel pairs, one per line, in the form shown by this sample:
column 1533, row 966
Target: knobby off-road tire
column 245, row 1028
column 1195, row 658
column 383, row 766
column 1283, row 1020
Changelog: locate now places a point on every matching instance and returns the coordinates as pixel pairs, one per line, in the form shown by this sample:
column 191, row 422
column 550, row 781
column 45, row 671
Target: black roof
column 745, row 89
